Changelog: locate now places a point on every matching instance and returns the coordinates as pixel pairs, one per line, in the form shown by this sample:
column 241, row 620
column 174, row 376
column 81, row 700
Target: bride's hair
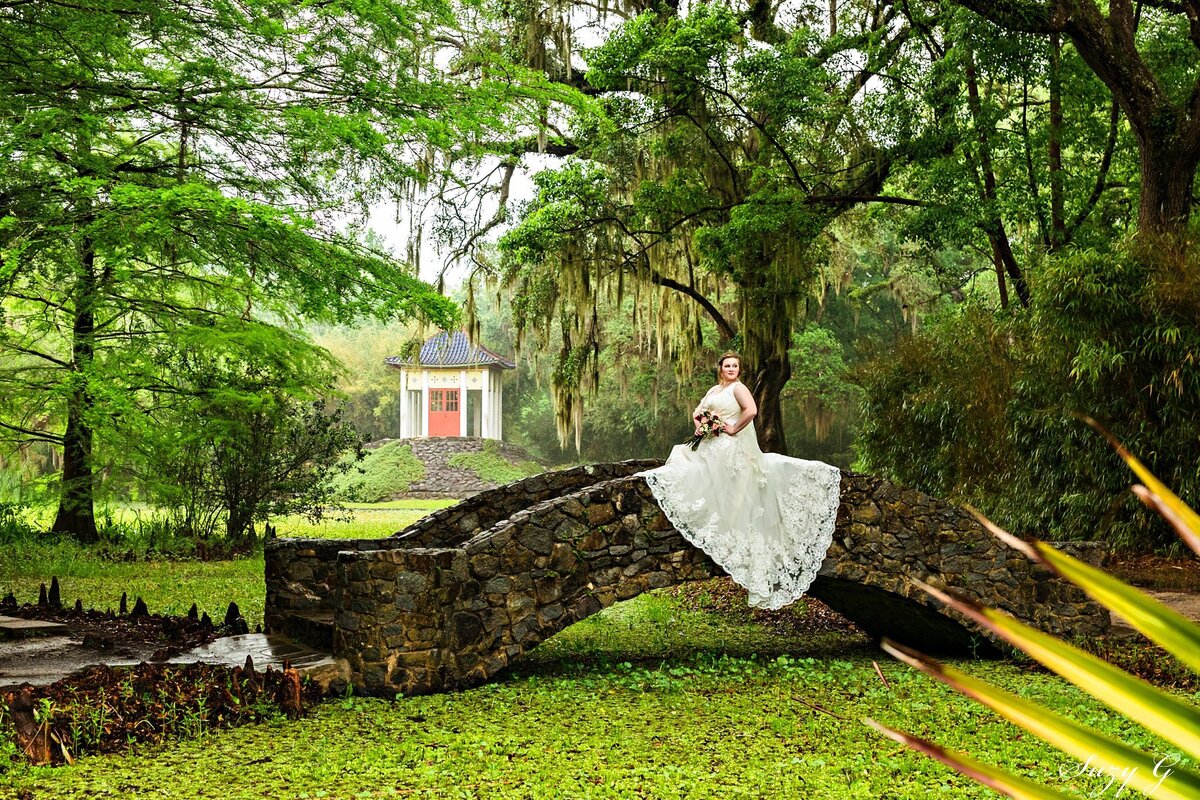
column 729, row 354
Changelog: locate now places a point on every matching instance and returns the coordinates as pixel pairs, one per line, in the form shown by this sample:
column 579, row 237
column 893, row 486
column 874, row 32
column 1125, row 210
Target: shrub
column 491, row 465
column 982, row 406
column 383, row 472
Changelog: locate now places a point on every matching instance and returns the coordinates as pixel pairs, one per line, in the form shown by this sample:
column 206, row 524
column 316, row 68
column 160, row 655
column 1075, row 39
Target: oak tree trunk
column 766, row 384
column 1167, row 176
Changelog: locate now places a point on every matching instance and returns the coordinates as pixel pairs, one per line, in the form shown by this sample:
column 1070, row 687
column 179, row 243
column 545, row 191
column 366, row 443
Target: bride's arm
column 749, row 408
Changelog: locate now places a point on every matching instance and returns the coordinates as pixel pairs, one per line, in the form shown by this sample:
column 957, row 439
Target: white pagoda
column 453, row 388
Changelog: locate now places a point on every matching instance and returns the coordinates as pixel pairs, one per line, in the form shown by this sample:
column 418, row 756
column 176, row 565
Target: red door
column 443, row 412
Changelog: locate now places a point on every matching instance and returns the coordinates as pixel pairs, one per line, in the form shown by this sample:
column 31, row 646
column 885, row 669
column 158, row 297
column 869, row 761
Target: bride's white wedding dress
column 766, row 519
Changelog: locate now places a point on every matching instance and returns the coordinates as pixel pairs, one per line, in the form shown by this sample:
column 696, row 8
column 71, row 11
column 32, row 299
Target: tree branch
column 34, row 434
column 1022, row 15
column 723, row 325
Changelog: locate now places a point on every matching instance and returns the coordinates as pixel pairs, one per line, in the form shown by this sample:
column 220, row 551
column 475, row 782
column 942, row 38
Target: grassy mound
column 383, row 472
column 490, row 465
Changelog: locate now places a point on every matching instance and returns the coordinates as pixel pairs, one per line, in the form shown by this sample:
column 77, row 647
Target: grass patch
column 383, row 472
column 168, row 587
column 361, row 522
column 419, row 504
column 490, row 465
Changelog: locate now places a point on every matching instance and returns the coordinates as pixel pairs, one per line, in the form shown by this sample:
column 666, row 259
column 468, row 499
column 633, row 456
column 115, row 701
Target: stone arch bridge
column 460, row 594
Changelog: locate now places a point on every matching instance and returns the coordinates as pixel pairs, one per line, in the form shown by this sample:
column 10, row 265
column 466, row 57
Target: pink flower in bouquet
column 708, row 424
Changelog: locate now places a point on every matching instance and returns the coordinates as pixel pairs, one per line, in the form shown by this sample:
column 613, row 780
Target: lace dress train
column 766, row 519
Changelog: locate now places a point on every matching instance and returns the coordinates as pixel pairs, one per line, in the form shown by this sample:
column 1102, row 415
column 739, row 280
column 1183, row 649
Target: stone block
column 552, row 611
column 585, row 607
column 563, row 558
column 866, row 513
column 522, row 629
column 537, row 539
column 632, row 588
column 548, row 591
column 468, row 628
column 300, row 571
column 384, row 570
column 601, row 513
column 414, row 659
column 411, row 583
column 658, row 580
column 606, row 577
column 498, row 585
column 570, row 529
column 484, row 565
column 658, row 523
column 494, row 619
column 518, row 604
column 592, row 542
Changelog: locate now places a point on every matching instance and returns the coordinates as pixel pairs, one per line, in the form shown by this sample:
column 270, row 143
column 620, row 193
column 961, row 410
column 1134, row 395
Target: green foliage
column 491, row 465
column 982, row 407
column 824, row 393
column 245, row 442
column 203, row 163
column 366, row 386
column 690, row 721
column 700, row 192
column 382, row 472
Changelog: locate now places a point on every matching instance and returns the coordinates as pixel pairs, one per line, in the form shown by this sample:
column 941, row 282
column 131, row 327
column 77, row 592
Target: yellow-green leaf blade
column 1159, row 623
column 1172, row 718
column 1006, row 783
column 1067, row 735
column 1181, row 509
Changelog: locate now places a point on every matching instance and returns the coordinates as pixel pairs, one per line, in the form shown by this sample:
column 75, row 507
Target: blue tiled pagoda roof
column 452, row 350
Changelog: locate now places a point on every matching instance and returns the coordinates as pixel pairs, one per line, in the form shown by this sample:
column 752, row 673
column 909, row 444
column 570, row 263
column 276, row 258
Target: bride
column 766, row 519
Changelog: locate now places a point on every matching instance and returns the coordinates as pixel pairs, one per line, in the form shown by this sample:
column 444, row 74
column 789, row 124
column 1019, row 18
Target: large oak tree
column 705, row 153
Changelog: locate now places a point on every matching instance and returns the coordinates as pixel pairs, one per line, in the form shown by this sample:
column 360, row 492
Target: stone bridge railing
column 302, row 573
column 448, row 604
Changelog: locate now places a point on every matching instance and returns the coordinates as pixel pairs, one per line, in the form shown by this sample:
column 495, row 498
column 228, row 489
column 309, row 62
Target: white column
column 424, row 431
column 485, row 405
column 462, row 402
column 404, row 412
column 498, row 408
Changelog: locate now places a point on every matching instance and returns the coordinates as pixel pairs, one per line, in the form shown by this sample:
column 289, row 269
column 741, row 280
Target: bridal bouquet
column 709, row 424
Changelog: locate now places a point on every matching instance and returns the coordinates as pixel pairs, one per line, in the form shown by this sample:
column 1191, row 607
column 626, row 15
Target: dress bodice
column 724, row 404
